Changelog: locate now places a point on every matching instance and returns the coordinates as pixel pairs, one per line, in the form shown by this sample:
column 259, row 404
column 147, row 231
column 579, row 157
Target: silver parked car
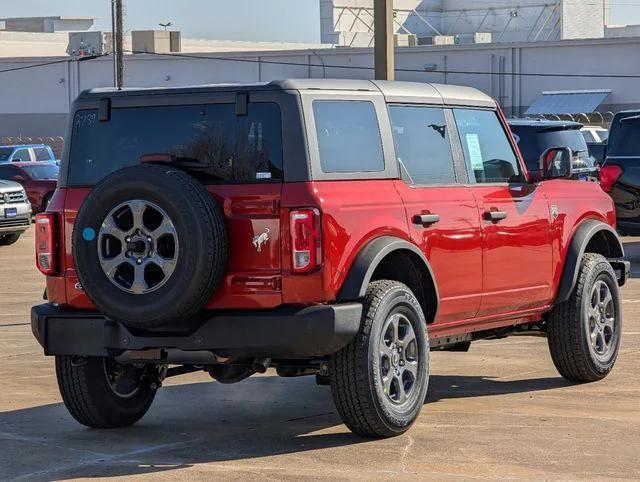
column 15, row 212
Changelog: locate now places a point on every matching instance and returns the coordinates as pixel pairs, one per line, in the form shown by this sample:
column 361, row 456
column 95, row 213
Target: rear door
column 238, row 148
column 516, row 219
column 441, row 211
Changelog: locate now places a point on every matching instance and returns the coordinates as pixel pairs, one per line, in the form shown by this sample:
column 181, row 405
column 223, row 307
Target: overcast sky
column 283, row 20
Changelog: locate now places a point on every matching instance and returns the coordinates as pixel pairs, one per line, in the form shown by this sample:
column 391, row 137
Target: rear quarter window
column 233, row 148
column 348, row 136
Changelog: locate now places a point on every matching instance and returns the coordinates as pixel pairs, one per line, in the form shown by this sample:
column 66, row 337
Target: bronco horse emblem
column 261, row 239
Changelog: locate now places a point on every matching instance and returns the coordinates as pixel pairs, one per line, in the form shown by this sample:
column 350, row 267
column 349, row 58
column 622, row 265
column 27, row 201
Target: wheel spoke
column 110, row 266
column 137, row 208
column 610, row 322
column 607, row 298
column 166, row 227
column 387, row 382
column 110, row 227
column 139, row 284
column 412, row 367
column 402, row 395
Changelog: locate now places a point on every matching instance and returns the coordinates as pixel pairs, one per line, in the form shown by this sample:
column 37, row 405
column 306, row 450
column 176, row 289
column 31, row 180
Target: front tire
column 584, row 332
column 100, row 393
column 379, row 381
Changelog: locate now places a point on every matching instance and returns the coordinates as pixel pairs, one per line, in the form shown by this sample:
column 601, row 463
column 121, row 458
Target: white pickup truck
column 15, row 212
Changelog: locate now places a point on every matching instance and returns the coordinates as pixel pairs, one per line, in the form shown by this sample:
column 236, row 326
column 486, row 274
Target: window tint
column 624, row 137
column 42, row 154
column 348, row 136
column 422, row 144
column 21, row 155
column 5, row 153
column 222, row 146
column 487, row 151
column 534, row 140
column 7, row 172
column 43, row 171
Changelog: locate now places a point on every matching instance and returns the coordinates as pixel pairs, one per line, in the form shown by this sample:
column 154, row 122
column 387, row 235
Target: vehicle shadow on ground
column 204, row 423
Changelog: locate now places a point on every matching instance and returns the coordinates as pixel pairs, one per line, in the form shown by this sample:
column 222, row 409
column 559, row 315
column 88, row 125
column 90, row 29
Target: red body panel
column 453, row 245
column 37, row 189
column 488, row 275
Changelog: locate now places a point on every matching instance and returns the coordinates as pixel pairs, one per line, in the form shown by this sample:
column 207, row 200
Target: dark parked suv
column 333, row 228
column 621, row 170
column 534, row 136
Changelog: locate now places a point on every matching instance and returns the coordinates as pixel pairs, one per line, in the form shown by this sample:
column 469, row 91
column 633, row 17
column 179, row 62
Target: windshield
column 534, row 140
column 5, row 152
column 624, row 137
column 48, row 171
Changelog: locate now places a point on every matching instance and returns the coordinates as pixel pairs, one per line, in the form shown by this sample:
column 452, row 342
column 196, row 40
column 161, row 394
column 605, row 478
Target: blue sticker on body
column 88, row 234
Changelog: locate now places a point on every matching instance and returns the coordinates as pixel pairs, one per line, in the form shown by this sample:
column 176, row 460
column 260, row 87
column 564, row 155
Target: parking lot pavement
column 500, row 410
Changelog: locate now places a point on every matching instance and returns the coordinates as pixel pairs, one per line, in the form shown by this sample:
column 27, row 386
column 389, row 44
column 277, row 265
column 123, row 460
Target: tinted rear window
column 624, row 137
column 348, row 136
column 533, row 141
column 234, row 148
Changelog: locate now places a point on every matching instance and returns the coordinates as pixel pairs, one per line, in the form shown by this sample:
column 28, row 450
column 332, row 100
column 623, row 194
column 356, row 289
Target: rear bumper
column 284, row 333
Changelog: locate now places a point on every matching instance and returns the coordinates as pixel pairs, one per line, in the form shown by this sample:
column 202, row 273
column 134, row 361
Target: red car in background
column 39, row 179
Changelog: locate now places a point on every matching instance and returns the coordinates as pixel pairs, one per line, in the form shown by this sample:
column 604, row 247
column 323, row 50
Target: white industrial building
column 531, row 52
column 350, row 22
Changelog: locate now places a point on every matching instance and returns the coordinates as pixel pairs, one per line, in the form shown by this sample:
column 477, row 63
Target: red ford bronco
column 336, row 228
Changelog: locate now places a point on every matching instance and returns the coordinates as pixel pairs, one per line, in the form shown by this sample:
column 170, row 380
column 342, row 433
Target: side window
column 487, row 150
column 21, row 155
column 422, row 144
column 348, row 136
column 42, row 154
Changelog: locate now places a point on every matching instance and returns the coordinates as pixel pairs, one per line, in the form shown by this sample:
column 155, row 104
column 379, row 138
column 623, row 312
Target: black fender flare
column 368, row 259
column 577, row 247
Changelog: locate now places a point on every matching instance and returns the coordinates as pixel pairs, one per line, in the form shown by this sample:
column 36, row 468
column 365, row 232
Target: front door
column 442, row 213
column 516, row 219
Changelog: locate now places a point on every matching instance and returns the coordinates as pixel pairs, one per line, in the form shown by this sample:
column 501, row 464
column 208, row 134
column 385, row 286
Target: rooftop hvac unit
column 156, row 41
column 88, row 44
column 437, row 40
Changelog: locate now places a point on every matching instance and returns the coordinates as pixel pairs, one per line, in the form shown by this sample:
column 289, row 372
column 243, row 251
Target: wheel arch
column 389, row 257
column 591, row 236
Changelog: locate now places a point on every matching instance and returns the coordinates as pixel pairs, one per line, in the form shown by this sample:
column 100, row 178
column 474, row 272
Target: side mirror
column 18, row 178
column 556, row 163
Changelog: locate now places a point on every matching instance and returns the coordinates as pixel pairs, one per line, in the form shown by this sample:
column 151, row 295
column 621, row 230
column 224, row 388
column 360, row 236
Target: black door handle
column 495, row 216
column 428, row 219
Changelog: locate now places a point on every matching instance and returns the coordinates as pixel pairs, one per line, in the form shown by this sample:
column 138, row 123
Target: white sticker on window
column 475, row 152
column 263, row 175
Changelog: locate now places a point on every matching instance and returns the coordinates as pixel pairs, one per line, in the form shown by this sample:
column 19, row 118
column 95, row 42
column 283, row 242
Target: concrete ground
column 499, row 411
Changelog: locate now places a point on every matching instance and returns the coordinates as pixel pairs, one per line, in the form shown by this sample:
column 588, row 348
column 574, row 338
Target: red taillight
column 306, row 245
column 46, row 230
column 609, row 175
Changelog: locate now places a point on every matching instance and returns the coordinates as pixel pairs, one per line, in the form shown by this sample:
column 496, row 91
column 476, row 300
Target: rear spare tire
column 150, row 246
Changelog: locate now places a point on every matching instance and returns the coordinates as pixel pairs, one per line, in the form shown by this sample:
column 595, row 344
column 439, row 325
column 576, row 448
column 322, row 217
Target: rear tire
column 379, row 381
column 9, row 239
column 584, row 332
column 95, row 401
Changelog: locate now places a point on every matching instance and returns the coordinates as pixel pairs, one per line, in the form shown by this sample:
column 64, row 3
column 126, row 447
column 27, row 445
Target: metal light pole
column 117, row 43
column 383, row 39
